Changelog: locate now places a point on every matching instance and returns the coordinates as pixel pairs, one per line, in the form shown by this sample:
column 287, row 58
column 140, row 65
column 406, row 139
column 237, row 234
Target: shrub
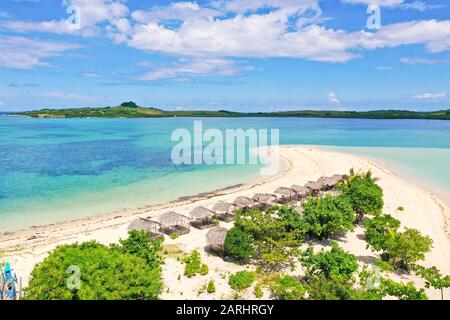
column 365, row 196
column 241, row 280
column 194, row 265
column 105, row 274
column 258, row 291
column 287, row 288
column 433, row 278
column 239, row 244
column 407, row 247
column 402, row 291
column 174, row 235
column 139, row 244
column 335, row 263
column 379, row 229
column 328, row 216
column 320, row 287
column 400, row 249
column 211, row 288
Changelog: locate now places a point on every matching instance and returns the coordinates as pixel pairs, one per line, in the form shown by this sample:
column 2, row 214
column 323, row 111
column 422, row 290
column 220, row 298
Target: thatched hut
column 172, row 222
column 264, row 200
column 328, row 183
column 301, row 192
column 243, row 203
column 152, row 227
column 315, row 187
column 202, row 218
column 284, row 195
column 215, row 239
column 224, row 211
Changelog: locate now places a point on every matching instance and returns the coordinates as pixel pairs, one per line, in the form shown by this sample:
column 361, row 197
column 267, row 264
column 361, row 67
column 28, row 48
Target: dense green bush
column 194, row 265
column 211, row 287
column 365, row 196
column 400, row 249
column 239, row 244
column 328, row 216
column 241, row 280
column 105, row 273
column 335, row 263
column 287, row 288
column 379, row 229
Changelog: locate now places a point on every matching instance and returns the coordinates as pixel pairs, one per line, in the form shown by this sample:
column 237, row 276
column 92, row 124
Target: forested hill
column 131, row 110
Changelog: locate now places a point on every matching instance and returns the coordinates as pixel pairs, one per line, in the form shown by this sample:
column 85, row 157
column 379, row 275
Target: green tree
column 379, row 229
column 288, row 288
column 319, row 287
column 239, row 244
column 335, row 263
column 433, row 278
column 402, row 291
column 365, row 196
column 139, row 244
column 328, row 216
column 105, row 274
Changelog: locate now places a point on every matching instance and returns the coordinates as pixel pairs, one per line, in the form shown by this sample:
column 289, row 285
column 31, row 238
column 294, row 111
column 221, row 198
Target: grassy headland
column 131, row 110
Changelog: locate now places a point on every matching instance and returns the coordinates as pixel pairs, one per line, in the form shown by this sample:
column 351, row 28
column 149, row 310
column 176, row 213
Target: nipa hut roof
column 143, row 225
column 301, row 190
column 172, row 218
column 243, row 202
column 201, row 213
column 314, row 185
column 216, row 236
column 285, row 192
column 223, row 207
column 264, row 197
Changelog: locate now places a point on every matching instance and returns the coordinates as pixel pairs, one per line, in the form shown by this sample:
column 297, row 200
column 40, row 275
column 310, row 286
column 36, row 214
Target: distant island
column 132, row 110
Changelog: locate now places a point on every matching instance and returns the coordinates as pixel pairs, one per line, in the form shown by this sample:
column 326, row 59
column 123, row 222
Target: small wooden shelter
column 215, row 239
column 143, row 224
column 172, row 222
column 264, row 200
column 284, row 195
column 224, row 211
column 202, row 218
column 315, row 187
column 301, row 192
column 243, row 203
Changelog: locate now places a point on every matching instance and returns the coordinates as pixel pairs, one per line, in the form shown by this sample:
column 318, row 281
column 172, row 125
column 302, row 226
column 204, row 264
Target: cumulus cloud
column 333, row 99
column 395, row 4
column 91, row 14
column 24, row 53
column 430, row 96
column 185, row 69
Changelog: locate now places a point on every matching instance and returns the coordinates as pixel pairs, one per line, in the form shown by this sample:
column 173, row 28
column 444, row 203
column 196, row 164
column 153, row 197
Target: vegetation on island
column 132, row 110
column 130, row 270
column 272, row 245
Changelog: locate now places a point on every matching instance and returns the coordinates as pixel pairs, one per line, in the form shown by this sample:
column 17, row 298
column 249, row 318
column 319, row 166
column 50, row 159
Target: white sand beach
column 422, row 210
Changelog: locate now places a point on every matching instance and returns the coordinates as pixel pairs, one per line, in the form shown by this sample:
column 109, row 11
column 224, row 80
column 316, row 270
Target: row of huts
column 201, row 217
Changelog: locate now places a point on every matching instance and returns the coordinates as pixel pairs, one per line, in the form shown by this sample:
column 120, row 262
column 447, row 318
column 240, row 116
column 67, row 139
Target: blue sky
column 252, row 55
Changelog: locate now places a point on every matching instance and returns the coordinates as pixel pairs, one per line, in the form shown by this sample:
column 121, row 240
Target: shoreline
column 423, row 210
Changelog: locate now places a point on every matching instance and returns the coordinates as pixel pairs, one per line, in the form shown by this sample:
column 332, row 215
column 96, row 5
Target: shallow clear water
column 58, row 169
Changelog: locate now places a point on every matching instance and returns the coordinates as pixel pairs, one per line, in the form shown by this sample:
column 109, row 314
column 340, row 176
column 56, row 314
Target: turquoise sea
column 58, row 169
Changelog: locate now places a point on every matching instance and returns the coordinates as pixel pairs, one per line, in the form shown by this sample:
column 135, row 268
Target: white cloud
column 430, row 96
column 384, row 68
column 185, row 69
column 394, row 4
column 422, row 61
column 333, row 99
column 68, row 96
column 24, row 53
column 91, row 74
column 92, row 13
